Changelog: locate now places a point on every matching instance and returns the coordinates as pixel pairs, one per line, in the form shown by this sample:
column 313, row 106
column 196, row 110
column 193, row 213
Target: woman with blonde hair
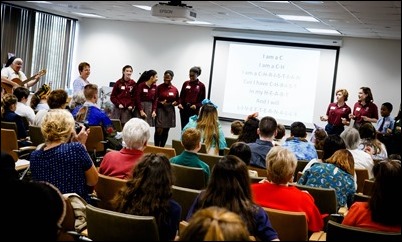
column 336, row 172
column 64, row 160
column 215, row 224
column 211, row 130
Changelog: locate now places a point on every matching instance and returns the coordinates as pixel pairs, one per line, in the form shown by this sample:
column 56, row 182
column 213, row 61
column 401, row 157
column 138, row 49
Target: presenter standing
column 337, row 113
column 364, row 110
column 82, row 80
column 123, row 96
column 191, row 95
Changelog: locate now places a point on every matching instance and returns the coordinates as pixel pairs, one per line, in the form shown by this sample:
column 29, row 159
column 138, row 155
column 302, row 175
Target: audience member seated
column 35, row 211
column 331, row 144
column 298, row 144
column 60, row 161
column 370, row 143
column 90, row 114
column 336, row 172
column 149, row 193
column 319, row 136
column 249, row 132
column 136, row 133
column 382, row 211
column 77, row 100
column 56, row 99
column 8, row 106
column 7, row 168
column 259, row 149
column 243, row 151
column 363, row 160
column 280, row 133
column 191, row 141
column 276, row 193
column 23, row 109
column 229, row 187
column 215, row 224
column 207, row 123
column 395, row 143
column 236, row 127
column 39, row 99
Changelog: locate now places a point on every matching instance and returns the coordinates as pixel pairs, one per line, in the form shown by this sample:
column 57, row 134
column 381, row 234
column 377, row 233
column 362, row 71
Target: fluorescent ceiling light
column 148, row 8
column 323, row 31
column 298, row 18
column 89, row 15
column 45, row 2
column 198, row 22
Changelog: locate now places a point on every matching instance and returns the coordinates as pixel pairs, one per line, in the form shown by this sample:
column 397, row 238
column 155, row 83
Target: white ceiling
column 363, row 19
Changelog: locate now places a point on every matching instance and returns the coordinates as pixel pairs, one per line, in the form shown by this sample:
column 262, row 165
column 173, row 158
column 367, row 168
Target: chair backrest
column 169, row 152
column 185, row 197
column 324, row 198
column 230, row 141
column 117, row 125
column 106, row 188
column 96, row 139
column 256, row 179
column 189, row 177
column 261, row 171
column 203, row 148
column 9, row 125
column 361, row 175
column 176, row 144
column 299, row 167
column 25, row 121
column 36, row 135
column 290, row 226
column 11, row 145
column 106, row 225
column 341, row 232
column 358, row 197
column 211, row 160
column 368, row 187
column 320, row 154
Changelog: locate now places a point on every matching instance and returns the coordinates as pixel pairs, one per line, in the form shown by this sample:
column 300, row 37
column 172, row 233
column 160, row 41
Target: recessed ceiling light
column 323, row 31
column 298, row 18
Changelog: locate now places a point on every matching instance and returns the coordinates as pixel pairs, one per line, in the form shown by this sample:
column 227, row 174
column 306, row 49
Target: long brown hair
column 208, row 124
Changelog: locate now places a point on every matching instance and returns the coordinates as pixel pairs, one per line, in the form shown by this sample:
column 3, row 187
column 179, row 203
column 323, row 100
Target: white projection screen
column 288, row 81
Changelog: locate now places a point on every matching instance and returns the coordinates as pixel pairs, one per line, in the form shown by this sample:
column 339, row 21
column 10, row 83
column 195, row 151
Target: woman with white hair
column 135, row 138
column 363, row 160
column 12, row 70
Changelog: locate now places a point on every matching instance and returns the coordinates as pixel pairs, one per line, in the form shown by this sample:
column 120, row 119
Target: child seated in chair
column 191, row 141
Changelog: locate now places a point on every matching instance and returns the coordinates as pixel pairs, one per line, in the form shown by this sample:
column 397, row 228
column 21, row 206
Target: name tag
column 358, row 109
column 145, row 90
column 188, row 87
column 332, row 107
column 198, row 87
column 171, row 94
column 123, row 87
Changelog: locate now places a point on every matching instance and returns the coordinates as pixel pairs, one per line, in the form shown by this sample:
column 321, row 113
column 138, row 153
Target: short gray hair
column 351, row 137
column 135, row 133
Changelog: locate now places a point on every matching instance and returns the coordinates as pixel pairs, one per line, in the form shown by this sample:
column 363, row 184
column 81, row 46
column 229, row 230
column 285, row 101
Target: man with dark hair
column 298, row 144
column 260, row 148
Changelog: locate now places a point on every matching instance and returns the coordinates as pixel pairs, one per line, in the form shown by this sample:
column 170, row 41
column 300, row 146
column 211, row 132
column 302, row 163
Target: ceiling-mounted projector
column 174, row 11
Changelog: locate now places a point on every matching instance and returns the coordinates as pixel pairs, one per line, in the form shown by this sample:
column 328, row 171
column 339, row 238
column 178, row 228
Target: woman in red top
column 364, row 110
column 382, row 211
column 145, row 97
column 191, row 95
column 167, row 98
column 123, row 96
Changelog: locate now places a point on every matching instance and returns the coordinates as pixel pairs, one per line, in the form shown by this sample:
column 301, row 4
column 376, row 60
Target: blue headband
column 207, row 101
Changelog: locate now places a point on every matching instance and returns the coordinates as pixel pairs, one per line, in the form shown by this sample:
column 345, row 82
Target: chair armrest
column 25, row 149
